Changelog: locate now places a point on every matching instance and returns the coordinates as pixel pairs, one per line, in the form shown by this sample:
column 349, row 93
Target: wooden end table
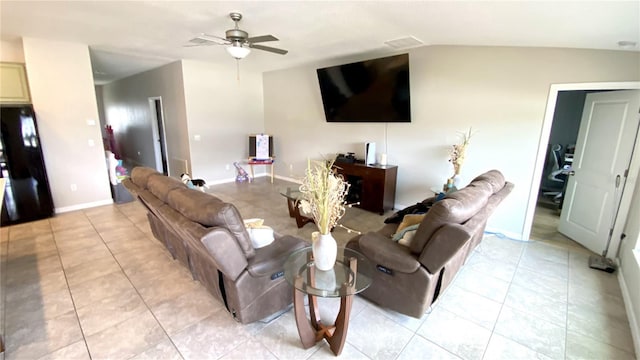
column 351, row 274
column 293, row 196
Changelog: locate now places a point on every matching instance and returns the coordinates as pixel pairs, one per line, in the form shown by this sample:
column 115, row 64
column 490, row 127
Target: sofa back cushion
column 140, row 175
column 208, row 210
column 161, row 186
column 457, row 207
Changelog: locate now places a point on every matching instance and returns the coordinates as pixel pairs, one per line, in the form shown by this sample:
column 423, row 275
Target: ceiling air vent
column 404, row 43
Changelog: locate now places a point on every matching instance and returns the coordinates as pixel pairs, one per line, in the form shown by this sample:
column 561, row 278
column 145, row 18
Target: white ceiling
column 126, row 37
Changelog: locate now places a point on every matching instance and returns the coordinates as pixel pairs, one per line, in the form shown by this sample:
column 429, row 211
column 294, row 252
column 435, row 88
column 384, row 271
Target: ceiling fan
column 238, row 42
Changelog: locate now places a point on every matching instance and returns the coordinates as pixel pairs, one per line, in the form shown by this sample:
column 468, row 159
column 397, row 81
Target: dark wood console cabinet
column 374, row 186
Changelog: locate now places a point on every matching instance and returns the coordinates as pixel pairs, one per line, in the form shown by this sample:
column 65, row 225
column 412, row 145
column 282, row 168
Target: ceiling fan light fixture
column 238, row 51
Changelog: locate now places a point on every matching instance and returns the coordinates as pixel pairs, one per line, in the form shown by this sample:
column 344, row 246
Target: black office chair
column 553, row 182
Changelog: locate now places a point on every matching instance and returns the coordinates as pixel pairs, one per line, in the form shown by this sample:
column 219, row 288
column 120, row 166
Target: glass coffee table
column 293, row 196
column 351, row 274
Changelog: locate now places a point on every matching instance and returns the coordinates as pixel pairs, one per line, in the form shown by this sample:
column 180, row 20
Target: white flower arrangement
column 323, row 194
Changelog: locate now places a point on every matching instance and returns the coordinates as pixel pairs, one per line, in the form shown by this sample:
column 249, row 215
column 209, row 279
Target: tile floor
column 95, row 284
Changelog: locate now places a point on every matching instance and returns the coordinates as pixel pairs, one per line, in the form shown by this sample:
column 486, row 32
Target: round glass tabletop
column 351, row 274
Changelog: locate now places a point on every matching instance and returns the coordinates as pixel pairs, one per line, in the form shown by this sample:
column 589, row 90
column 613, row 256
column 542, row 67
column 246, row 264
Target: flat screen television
column 374, row 90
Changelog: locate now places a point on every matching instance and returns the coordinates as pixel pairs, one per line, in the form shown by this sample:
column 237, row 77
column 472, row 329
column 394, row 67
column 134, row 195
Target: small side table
column 351, row 274
column 267, row 162
column 293, row 199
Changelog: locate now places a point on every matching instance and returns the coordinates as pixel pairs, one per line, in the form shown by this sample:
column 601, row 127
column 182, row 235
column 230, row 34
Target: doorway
column 159, row 138
column 544, row 221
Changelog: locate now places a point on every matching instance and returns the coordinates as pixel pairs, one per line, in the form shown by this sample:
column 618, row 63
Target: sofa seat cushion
column 383, row 251
column 209, row 211
column 269, row 260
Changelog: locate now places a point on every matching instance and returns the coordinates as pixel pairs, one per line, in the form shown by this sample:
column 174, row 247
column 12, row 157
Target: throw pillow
column 400, row 234
column 407, row 238
column 261, row 236
column 410, row 219
column 253, row 223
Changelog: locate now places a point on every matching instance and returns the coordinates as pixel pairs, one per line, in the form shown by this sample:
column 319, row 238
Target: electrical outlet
column 227, row 167
column 74, row 187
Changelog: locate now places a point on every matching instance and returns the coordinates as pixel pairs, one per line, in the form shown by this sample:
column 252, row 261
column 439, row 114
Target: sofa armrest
column 381, row 250
column 444, row 244
column 269, row 260
column 226, row 252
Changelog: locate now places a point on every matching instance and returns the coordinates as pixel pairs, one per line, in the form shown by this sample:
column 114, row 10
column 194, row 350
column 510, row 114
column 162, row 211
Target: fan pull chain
column 238, row 70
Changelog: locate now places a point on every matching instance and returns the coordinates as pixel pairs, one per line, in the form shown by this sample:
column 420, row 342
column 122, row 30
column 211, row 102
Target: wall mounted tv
column 374, row 90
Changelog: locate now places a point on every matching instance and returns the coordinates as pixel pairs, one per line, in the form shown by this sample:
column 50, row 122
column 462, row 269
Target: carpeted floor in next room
column 95, row 284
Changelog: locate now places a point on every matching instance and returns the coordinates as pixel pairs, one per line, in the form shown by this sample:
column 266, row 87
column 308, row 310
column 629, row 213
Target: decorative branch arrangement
column 323, row 194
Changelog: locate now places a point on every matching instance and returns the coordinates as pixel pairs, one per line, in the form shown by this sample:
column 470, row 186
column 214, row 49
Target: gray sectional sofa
column 412, row 275
column 209, row 237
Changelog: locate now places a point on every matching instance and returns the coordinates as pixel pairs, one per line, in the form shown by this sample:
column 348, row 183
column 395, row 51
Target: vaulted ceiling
column 126, row 37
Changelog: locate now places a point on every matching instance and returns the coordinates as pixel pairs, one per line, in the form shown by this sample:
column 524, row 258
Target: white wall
column 500, row 92
column 127, row 110
column 222, row 111
column 62, row 92
column 11, row 51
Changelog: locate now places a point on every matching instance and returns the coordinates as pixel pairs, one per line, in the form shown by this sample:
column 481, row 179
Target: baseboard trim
column 631, row 315
column 83, row 206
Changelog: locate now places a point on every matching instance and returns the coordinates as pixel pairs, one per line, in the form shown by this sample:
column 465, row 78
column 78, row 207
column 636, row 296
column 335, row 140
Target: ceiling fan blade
column 262, row 38
column 203, row 39
column 268, row 48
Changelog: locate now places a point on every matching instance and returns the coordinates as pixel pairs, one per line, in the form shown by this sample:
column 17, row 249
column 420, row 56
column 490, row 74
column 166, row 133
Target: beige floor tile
column 538, row 304
column 421, row 348
column 70, row 220
column 127, row 231
column 606, row 329
column 80, row 241
column 29, row 229
column 110, row 311
column 211, row 338
column 251, row 349
column 484, row 285
column 536, row 334
column 132, row 245
column 551, row 286
column 101, row 287
column 30, row 269
column 166, row 288
column 91, row 270
column 455, row 334
column 37, row 308
column 584, row 347
column 23, row 289
column 385, row 344
column 37, row 339
column 75, row 351
column 470, row 306
column 281, row 339
column 126, row 339
column 164, row 350
column 71, row 258
column 501, row 348
column 186, row 309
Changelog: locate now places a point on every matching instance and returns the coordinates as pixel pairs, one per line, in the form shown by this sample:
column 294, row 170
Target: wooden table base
column 294, row 212
column 313, row 330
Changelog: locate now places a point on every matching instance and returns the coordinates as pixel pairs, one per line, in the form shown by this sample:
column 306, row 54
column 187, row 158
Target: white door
column 603, row 152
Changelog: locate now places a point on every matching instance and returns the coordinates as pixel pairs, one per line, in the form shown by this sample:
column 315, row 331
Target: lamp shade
column 238, row 51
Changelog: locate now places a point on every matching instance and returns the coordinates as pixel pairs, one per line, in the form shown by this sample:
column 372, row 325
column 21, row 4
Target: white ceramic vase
column 325, row 251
